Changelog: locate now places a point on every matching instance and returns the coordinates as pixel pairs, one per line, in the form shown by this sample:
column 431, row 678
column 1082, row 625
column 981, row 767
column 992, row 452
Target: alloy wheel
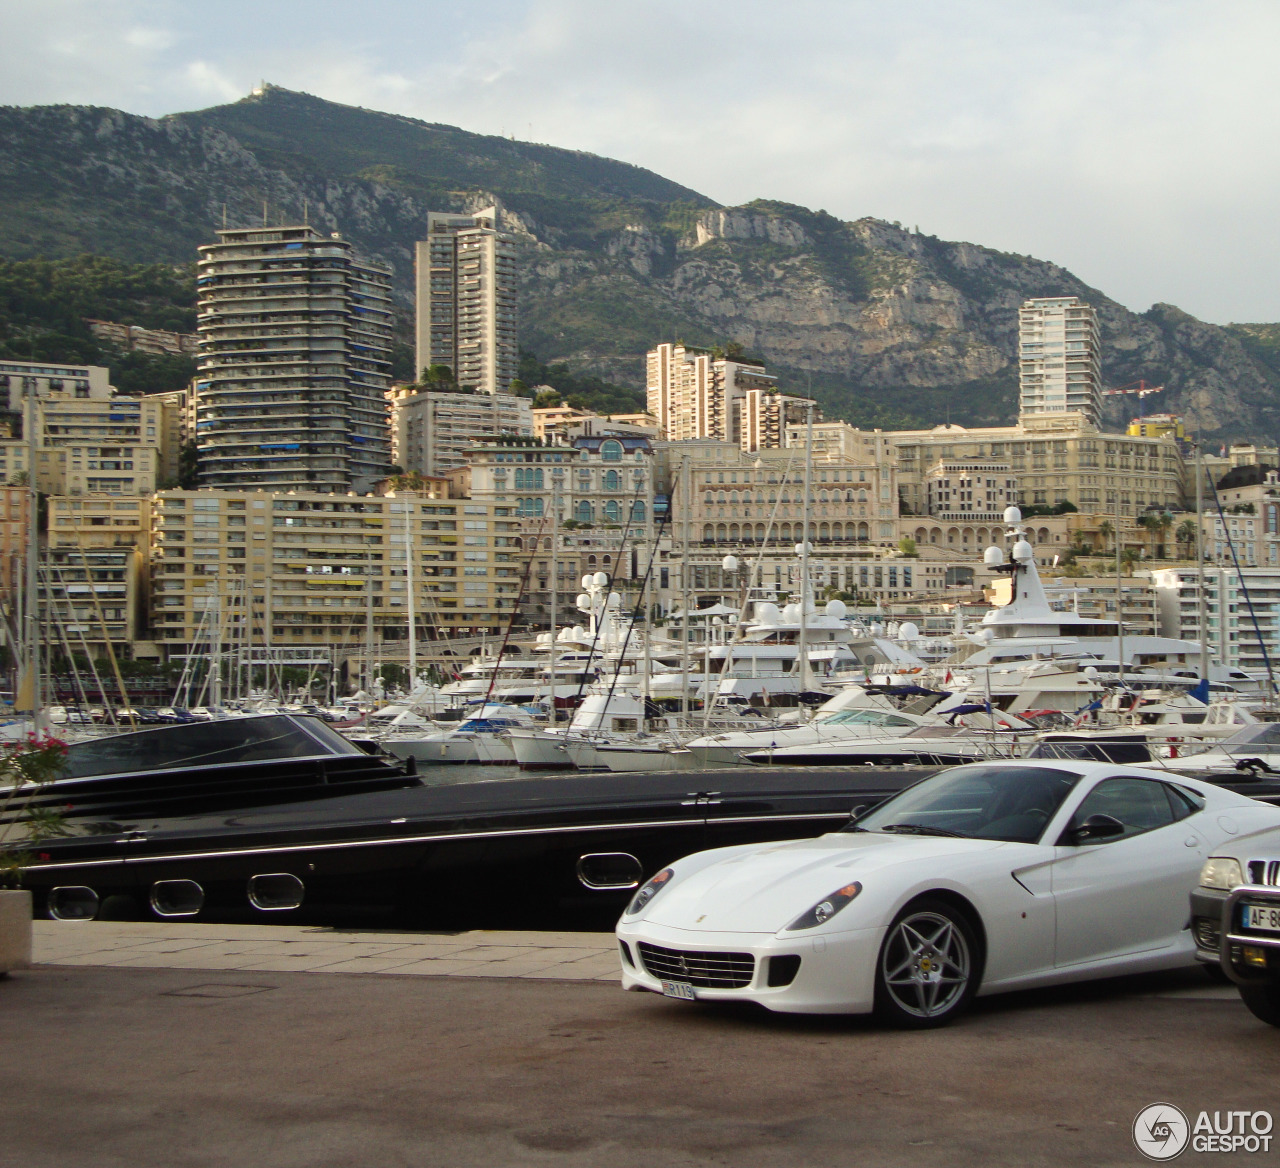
column 926, row 964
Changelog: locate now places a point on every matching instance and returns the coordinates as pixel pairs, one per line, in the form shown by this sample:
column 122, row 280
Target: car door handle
column 1191, row 841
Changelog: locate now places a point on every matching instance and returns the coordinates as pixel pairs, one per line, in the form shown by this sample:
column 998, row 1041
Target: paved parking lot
column 130, row 1065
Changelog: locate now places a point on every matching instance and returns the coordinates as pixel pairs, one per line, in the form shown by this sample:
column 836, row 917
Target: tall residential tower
column 1059, row 354
column 295, row 337
column 693, row 393
column 466, row 290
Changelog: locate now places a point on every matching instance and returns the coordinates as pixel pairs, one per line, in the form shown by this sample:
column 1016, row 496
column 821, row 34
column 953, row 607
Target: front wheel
column 928, row 968
column 1263, row 1001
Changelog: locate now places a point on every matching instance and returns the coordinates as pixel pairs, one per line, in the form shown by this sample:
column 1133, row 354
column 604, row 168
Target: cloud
column 207, row 80
column 153, row 40
column 1128, row 141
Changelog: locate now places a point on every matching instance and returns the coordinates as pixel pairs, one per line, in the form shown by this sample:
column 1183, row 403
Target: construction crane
column 1141, row 388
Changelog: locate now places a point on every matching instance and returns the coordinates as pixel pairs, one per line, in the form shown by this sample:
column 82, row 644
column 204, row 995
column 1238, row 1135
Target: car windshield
column 1011, row 804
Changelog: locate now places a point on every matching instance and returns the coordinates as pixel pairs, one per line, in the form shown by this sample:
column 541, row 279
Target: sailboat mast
column 802, row 641
column 408, row 569
column 686, row 500
column 1119, row 601
column 555, row 591
column 215, row 649
column 31, row 422
column 368, row 623
column 1203, row 602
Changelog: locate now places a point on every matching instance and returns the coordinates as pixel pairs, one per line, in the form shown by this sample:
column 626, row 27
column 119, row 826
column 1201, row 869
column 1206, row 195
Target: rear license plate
column 1263, row 917
column 682, row 990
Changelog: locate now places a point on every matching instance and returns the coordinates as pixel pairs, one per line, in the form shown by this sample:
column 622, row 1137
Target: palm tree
column 1163, row 522
column 1105, row 529
column 1187, row 534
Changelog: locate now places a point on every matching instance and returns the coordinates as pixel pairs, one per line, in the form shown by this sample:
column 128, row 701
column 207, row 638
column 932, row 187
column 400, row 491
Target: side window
column 1140, row 804
column 1184, row 802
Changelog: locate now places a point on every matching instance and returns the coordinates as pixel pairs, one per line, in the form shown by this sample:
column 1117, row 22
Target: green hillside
column 44, row 303
column 885, row 326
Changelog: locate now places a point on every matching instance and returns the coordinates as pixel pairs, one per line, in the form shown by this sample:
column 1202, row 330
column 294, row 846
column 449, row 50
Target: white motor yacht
column 852, row 713
column 1029, row 629
column 479, row 739
column 609, row 732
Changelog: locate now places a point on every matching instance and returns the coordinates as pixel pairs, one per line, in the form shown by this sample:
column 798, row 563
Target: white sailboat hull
column 536, row 750
column 600, row 755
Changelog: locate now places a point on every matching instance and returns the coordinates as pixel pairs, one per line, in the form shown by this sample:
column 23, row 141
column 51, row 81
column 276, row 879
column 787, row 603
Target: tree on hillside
column 1186, row 536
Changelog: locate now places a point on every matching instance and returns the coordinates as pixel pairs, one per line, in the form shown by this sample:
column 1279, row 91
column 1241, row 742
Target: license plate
column 682, row 990
column 1263, row 917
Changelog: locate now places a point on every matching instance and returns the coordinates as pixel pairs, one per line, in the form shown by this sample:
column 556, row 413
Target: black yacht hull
column 529, row 852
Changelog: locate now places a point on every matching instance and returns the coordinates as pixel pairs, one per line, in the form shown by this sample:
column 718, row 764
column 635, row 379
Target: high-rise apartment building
column 695, row 394
column 1059, row 354
column 92, row 441
column 295, row 335
column 765, row 415
column 302, row 576
column 433, row 430
column 466, row 297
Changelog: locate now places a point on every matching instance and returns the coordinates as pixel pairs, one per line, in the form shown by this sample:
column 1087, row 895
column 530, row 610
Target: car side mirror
column 1097, row 827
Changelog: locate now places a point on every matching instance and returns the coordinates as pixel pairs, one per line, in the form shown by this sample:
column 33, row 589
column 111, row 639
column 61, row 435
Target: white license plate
column 1263, row 917
column 679, row 989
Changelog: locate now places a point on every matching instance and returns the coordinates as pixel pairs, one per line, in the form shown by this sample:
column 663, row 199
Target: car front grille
column 1264, row 872
column 717, row 971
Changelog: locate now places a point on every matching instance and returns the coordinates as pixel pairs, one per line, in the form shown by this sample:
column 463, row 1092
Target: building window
column 611, row 451
column 637, row 512
column 612, row 480
column 612, row 511
column 582, row 511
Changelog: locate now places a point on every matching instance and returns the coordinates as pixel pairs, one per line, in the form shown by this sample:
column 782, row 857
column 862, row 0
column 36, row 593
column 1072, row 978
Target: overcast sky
column 1133, row 141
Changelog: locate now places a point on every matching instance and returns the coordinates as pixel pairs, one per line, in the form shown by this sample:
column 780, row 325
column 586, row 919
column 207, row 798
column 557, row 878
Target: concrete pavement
column 150, row 1054
column 307, row 949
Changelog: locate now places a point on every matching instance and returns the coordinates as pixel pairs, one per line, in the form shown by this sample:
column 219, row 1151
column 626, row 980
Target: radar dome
column 1012, row 515
column 615, row 600
column 767, row 614
column 587, row 580
column 1023, row 551
column 600, row 580
column 908, row 632
column 790, row 612
column 836, row 609
column 583, row 602
column 992, row 556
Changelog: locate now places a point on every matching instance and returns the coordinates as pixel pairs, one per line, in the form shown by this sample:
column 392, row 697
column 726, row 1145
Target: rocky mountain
column 884, row 325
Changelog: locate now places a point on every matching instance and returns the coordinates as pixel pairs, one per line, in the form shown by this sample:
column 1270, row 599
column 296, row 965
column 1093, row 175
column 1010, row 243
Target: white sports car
column 989, row 877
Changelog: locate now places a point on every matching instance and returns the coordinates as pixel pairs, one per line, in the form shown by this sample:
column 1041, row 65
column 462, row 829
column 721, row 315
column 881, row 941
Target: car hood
column 763, row 889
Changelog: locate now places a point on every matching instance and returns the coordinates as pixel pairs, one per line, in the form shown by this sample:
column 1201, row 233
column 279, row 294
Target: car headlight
column 645, row 894
column 825, row 909
column 1221, row 872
